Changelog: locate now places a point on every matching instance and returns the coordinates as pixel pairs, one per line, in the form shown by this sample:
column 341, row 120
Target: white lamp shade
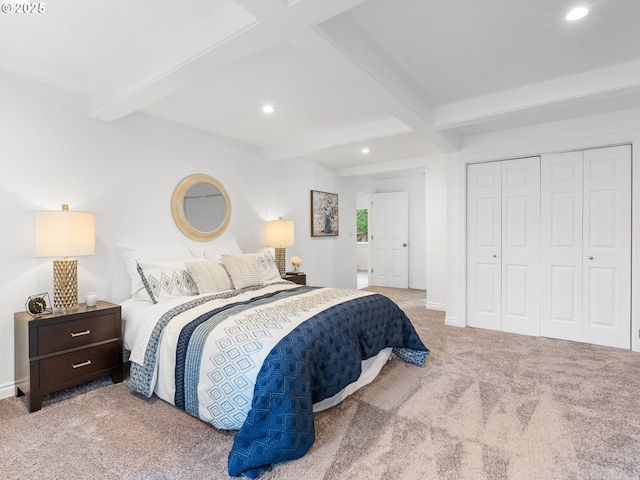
column 62, row 233
column 279, row 233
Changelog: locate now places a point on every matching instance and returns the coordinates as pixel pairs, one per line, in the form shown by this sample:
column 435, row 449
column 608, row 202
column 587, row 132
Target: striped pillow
column 244, row 270
column 210, row 276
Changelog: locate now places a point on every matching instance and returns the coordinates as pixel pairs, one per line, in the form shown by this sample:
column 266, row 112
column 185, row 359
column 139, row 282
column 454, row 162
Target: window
column 362, row 225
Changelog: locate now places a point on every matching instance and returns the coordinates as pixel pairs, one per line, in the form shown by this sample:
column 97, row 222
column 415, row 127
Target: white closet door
column 521, row 246
column 607, row 246
column 484, row 212
column 561, row 247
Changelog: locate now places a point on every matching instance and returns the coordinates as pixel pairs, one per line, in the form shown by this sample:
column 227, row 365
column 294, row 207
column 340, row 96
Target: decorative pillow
column 268, row 267
column 244, row 270
column 210, row 276
column 220, row 247
column 166, row 280
column 148, row 254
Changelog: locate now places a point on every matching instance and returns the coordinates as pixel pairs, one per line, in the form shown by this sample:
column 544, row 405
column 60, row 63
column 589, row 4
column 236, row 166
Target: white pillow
column 219, row 247
column 268, row 267
column 210, row 276
column 166, row 280
column 244, row 270
column 148, row 254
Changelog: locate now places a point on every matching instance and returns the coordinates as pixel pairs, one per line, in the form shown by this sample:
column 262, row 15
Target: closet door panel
column 521, row 246
column 561, row 246
column 607, row 246
column 483, row 245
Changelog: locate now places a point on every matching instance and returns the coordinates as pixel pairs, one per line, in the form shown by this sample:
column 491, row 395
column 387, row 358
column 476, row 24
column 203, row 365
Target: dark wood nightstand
column 296, row 277
column 64, row 349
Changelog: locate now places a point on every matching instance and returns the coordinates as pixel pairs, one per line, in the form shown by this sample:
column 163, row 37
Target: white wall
column 125, row 173
column 578, row 133
column 327, row 261
column 436, row 232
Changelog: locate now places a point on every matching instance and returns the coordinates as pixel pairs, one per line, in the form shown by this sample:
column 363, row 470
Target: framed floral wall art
column 324, row 214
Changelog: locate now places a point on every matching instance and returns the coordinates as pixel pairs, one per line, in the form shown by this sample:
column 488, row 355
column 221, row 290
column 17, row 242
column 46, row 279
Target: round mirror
column 200, row 207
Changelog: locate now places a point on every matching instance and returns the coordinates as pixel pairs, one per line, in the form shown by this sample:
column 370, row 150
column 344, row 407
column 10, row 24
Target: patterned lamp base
column 65, row 284
column 281, row 254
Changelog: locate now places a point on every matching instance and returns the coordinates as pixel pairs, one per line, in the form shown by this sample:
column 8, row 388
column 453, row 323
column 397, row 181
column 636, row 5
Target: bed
column 250, row 352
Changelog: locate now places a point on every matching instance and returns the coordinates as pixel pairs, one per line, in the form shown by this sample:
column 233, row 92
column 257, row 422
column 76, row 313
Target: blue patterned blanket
column 266, row 384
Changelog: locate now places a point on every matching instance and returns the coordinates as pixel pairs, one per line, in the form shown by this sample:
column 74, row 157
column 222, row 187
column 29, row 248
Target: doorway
column 363, row 252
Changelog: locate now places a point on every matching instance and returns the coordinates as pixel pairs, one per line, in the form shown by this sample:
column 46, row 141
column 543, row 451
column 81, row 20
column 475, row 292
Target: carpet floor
column 487, row 406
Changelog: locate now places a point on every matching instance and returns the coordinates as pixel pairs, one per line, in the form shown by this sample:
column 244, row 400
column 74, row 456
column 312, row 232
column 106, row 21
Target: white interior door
column 521, row 246
column 390, row 239
column 484, row 245
column 561, row 248
column 607, row 246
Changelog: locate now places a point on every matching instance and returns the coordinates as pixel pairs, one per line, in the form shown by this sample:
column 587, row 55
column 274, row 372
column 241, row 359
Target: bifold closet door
column 484, row 245
column 606, row 304
column 503, row 245
column 586, row 246
column 521, row 246
column 561, row 248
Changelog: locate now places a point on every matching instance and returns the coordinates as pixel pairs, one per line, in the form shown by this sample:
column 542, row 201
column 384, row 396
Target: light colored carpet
column 488, row 405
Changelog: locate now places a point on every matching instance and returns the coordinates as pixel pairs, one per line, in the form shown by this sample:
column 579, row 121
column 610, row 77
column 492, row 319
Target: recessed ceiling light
column 268, row 109
column 577, row 13
column 365, row 150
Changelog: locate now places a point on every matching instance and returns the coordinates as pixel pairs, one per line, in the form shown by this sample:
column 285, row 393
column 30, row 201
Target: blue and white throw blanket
column 256, row 360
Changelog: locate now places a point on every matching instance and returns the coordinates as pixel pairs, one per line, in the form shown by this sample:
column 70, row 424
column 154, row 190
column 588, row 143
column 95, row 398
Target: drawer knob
column 83, row 364
column 79, row 334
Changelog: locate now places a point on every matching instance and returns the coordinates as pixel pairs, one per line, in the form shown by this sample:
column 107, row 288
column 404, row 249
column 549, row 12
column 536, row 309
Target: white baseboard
column 452, row 322
column 441, row 307
column 8, row 390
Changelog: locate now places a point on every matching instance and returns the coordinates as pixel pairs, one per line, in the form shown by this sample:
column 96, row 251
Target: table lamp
column 280, row 235
column 62, row 233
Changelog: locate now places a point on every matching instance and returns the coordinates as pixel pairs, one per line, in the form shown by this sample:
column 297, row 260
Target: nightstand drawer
column 76, row 333
column 296, row 277
column 65, row 370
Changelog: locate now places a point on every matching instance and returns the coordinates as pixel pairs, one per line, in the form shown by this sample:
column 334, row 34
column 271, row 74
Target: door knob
column 590, row 258
column 404, row 244
column 494, row 256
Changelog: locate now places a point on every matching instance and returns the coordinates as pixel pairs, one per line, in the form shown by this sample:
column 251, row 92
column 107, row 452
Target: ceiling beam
column 221, row 39
column 570, row 90
column 382, row 167
column 289, row 15
column 246, row 27
column 335, row 138
column 344, row 51
column 235, row 32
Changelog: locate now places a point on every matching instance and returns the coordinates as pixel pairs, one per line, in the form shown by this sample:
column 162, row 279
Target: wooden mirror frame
column 177, row 207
